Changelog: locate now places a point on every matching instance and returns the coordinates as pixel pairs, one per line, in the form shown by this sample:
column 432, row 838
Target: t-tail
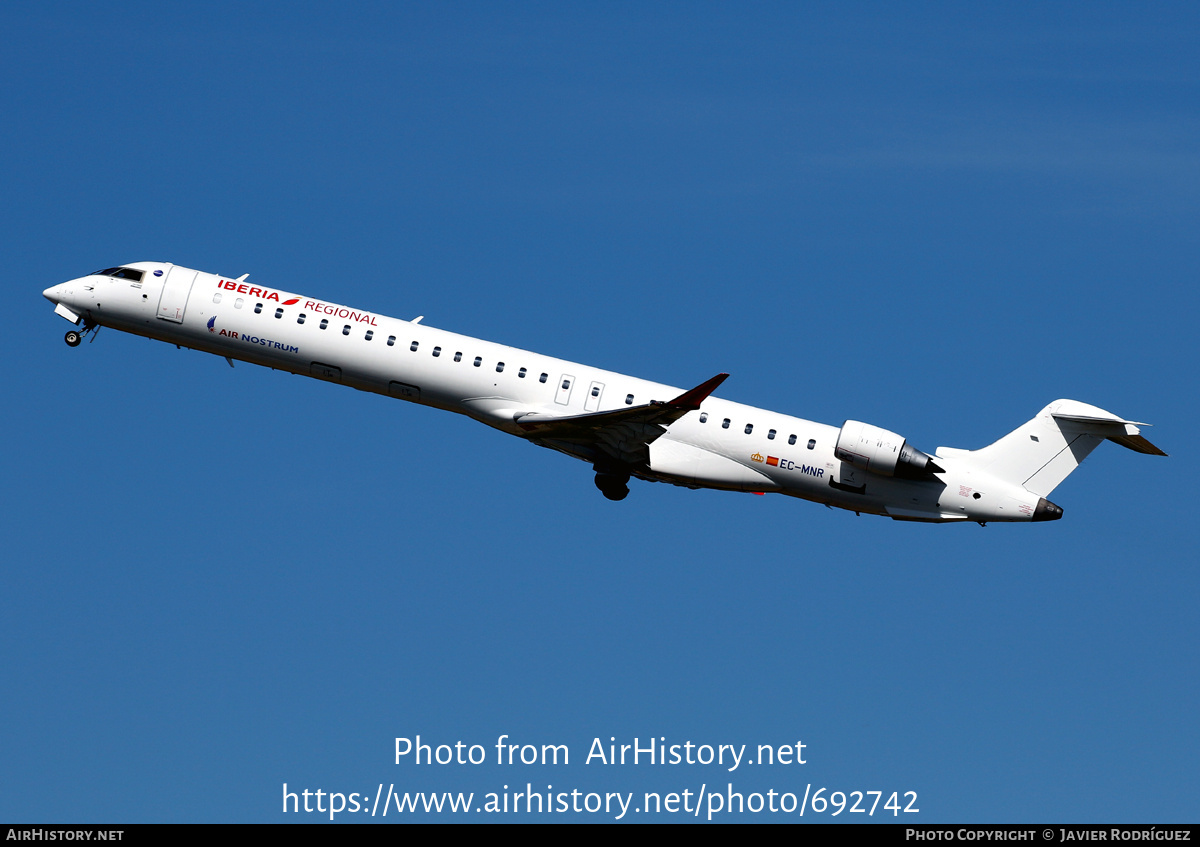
column 1041, row 453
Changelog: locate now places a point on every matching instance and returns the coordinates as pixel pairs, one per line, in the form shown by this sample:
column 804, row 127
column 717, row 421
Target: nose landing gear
column 75, row 336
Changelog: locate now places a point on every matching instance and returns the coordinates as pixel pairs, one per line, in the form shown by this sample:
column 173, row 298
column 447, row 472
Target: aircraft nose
column 53, row 293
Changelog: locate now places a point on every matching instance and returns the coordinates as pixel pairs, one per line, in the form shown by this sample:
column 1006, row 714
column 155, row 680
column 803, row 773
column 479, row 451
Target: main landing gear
column 613, row 485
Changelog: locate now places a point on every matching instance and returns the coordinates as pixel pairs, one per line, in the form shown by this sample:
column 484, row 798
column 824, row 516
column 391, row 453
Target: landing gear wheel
column 613, row 486
column 72, row 338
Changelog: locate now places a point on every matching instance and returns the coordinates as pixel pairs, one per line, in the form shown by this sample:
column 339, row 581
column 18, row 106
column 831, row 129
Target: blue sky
column 934, row 217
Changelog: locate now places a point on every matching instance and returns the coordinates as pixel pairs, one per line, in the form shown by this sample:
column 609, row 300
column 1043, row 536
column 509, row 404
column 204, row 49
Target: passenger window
column 258, row 308
column 628, row 399
column 478, row 361
column 217, row 297
column 391, row 341
column 725, row 424
column 413, row 347
column 771, row 435
column 346, row 329
column 500, row 367
column 543, row 377
column 812, row 442
column 595, row 391
column 521, row 373
column 300, row 318
column 278, row 314
column 370, row 334
column 324, row 323
column 749, row 428
column 437, row 351
column 566, row 384
column 237, row 304
column 458, row 356
column 704, row 417
column 791, row 439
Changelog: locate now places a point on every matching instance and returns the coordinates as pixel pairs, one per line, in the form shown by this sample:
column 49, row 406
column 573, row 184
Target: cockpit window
column 121, row 273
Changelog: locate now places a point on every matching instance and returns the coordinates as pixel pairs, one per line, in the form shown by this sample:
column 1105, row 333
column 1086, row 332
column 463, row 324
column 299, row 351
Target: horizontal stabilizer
column 1137, row 443
column 1095, row 419
column 1041, row 453
column 1125, row 433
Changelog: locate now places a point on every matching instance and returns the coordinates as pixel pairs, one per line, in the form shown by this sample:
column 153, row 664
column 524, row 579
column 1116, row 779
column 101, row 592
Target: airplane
column 622, row 426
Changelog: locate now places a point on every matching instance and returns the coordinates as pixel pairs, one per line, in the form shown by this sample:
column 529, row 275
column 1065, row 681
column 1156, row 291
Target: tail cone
column 1047, row 511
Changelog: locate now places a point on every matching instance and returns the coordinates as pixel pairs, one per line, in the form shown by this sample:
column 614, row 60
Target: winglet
column 691, row 400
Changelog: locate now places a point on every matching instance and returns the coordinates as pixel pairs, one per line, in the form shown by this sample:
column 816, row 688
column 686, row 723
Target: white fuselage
column 722, row 445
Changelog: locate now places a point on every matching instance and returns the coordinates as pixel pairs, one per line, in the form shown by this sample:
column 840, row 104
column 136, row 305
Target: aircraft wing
column 623, row 434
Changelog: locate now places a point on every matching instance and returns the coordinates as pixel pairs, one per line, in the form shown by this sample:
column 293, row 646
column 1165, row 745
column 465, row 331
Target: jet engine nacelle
column 880, row 451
